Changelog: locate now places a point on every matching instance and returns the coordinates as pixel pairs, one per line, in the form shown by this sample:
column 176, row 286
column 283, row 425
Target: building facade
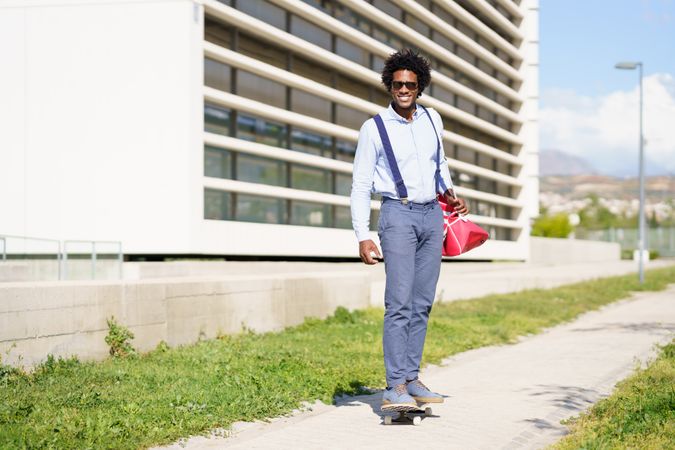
column 229, row 127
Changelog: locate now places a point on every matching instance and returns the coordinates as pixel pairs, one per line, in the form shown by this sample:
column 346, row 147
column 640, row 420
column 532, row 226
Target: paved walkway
column 502, row 397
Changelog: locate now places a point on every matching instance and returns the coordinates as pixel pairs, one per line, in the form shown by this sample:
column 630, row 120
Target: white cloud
column 604, row 130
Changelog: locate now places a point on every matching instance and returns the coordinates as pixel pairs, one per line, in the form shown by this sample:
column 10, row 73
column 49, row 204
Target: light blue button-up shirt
column 414, row 147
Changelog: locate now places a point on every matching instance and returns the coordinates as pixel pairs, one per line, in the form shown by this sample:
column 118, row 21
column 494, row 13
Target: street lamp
column 641, row 237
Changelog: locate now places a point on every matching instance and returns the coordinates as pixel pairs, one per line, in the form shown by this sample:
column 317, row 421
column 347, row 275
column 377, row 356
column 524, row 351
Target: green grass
column 161, row 396
column 640, row 413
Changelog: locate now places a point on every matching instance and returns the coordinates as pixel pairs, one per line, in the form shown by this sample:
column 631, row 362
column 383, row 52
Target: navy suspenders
column 389, row 152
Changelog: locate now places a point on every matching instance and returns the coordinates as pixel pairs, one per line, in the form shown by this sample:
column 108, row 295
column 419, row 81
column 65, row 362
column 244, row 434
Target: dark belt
column 406, row 202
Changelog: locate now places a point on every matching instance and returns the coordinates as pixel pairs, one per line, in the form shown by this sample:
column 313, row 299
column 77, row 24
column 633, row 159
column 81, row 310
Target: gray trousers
column 411, row 237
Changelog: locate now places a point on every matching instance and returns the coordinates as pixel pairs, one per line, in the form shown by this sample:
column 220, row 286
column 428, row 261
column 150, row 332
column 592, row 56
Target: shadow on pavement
column 632, row 327
column 373, row 399
column 566, row 397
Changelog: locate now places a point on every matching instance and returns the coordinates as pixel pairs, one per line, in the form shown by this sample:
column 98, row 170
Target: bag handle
column 437, row 175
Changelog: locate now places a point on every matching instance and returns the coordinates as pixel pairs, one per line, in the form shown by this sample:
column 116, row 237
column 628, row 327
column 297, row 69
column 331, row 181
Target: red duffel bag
column 459, row 234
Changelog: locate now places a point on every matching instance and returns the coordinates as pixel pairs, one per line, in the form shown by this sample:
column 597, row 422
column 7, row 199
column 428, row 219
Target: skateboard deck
column 412, row 414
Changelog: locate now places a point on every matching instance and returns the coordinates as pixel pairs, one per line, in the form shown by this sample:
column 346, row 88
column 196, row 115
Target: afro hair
column 407, row 59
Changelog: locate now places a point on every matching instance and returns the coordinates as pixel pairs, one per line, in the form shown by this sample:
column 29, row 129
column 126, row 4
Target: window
column 343, row 184
column 255, row 169
column 351, row 52
column 377, row 64
column 374, row 217
column 465, row 55
column 265, row 11
column 446, row 70
column 351, row 86
column 343, row 217
column 381, row 97
column 503, row 123
column 315, row 144
column 503, row 234
column 387, row 38
column 217, row 205
column 263, row 51
column 323, row 5
column 486, row 115
column 310, row 33
column 504, row 212
column 217, row 75
column 503, row 167
column 350, row 118
column 345, row 151
column 311, row 70
column 444, row 42
column 261, row 89
column 262, row 131
column 310, row 179
column 389, row 8
column 252, row 208
column 487, row 185
column 310, row 105
column 466, row 106
column 217, row 162
column 217, row 120
column 443, row 94
column 311, row 214
column 218, row 33
column 354, row 20
column 417, row 25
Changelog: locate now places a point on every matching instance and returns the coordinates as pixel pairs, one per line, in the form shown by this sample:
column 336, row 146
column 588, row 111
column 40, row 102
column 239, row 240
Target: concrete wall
column 563, row 251
column 69, row 318
column 101, row 121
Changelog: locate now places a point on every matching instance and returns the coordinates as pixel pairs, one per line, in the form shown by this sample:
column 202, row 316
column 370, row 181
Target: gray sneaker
column 421, row 393
column 397, row 399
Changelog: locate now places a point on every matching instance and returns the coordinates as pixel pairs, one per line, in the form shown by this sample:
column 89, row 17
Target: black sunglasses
column 411, row 85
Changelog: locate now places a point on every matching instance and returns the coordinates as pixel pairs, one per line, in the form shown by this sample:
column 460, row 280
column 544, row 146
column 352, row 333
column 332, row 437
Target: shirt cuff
column 362, row 235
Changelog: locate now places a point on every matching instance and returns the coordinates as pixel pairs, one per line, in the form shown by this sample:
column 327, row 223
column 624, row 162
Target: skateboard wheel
column 417, row 420
column 427, row 411
column 387, row 420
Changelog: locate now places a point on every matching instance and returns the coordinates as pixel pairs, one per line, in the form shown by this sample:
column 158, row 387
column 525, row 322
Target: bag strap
column 437, row 175
column 401, row 190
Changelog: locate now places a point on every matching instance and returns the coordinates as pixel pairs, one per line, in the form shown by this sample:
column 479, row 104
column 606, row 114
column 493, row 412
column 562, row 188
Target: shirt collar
column 395, row 116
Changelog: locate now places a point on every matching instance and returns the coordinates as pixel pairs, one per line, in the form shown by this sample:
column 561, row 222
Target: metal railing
column 660, row 239
column 94, row 256
column 21, row 251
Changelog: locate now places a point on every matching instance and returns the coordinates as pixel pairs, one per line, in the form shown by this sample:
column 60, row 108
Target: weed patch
column 118, row 339
column 640, row 413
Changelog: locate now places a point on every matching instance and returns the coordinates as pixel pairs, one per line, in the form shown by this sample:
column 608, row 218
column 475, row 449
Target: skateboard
column 412, row 414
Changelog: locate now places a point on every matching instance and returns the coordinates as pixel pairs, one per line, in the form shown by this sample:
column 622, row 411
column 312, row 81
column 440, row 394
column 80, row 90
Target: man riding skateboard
column 399, row 156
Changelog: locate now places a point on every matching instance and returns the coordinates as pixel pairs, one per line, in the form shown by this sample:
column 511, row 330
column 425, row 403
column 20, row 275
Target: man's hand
column 458, row 203
column 365, row 247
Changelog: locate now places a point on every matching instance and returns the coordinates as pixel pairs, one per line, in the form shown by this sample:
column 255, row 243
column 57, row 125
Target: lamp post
column 641, row 237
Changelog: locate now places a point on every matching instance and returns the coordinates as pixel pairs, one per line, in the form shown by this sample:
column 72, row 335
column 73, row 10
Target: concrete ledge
column 564, row 251
column 69, row 318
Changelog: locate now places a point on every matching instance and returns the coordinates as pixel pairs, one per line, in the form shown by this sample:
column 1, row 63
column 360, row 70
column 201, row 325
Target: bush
column 627, row 253
column 556, row 226
column 118, row 339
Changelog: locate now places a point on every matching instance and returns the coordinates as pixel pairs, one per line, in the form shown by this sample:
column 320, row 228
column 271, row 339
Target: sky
column 590, row 109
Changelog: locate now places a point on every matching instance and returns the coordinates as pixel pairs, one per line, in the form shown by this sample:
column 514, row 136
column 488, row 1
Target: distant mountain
column 556, row 162
column 573, row 187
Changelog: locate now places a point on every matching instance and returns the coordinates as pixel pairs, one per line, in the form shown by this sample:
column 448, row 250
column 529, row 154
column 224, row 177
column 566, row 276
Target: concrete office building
column 187, row 127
